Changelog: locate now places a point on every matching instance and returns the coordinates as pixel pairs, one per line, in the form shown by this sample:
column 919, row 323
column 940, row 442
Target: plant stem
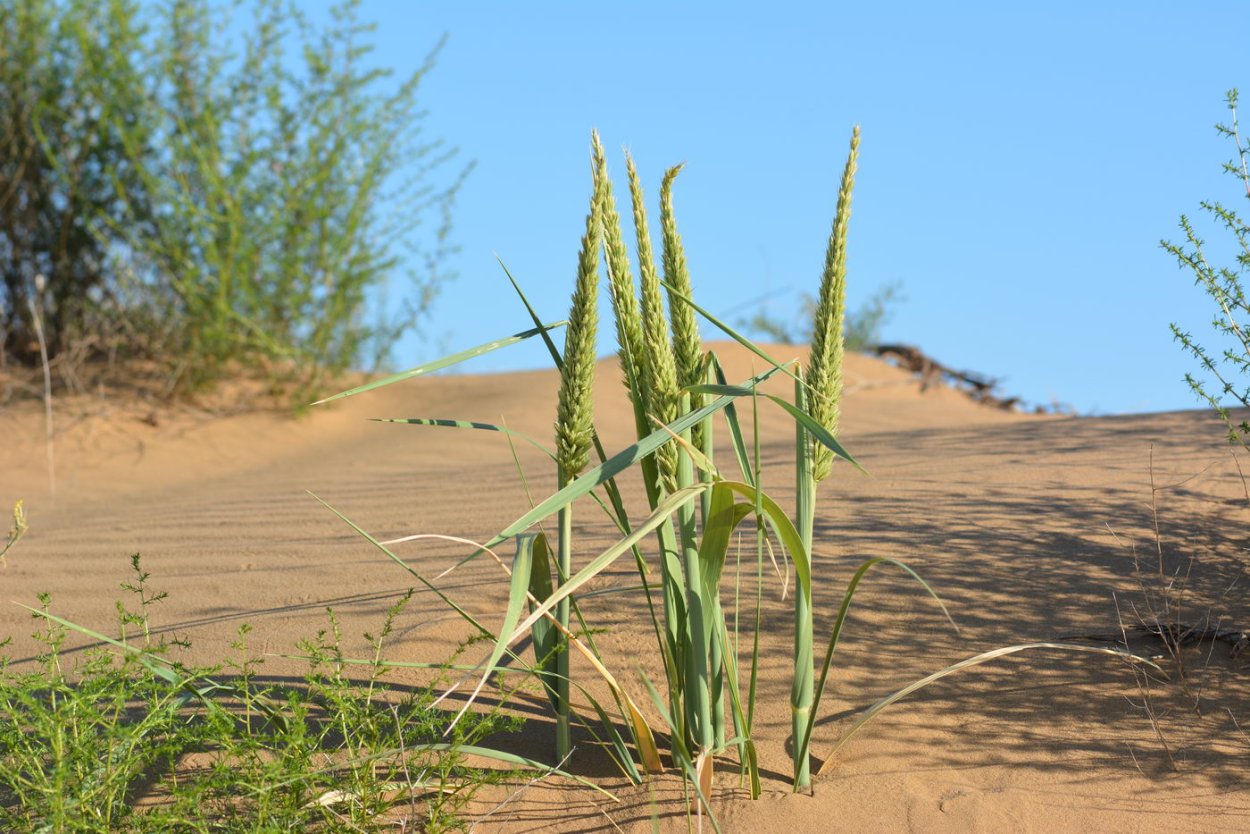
column 802, row 692
column 706, row 440
column 564, row 563
column 698, row 613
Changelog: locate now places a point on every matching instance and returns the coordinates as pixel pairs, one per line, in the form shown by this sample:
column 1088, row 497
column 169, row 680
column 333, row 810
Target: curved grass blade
column 512, row 758
column 538, row 323
column 544, row 636
column 469, row 618
column 724, row 516
column 735, row 427
column 804, row 419
column 168, row 671
column 984, row 657
column 445, row 362
column 518, row 594
column 843, row 610
column 615, row 465
column 465, row 424
column 782, row 526
column 729, row 331
column 597, row 565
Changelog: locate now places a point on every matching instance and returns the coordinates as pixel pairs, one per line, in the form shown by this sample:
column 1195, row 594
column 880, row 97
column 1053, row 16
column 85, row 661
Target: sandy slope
column 1029, row 528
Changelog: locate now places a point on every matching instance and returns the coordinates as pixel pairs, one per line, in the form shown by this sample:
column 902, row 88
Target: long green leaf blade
column 445, row 362
column 984, row 657
column 801, row 417
column 465, row 424
column 597, row 565
column 613, row 466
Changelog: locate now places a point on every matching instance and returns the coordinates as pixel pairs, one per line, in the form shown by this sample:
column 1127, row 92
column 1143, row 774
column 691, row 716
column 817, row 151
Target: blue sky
column 1019, row 164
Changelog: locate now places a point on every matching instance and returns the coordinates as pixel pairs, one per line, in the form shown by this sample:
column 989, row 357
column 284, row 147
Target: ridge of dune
column 133, row 445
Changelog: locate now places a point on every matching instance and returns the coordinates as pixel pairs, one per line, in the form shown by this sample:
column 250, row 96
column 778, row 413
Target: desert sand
column 1030, row 528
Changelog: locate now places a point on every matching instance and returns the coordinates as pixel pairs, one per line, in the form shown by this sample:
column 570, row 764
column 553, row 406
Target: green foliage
column 71, row 73
column 707, row 710
column 1230, row 366
column 227, row 205
column 102, row 747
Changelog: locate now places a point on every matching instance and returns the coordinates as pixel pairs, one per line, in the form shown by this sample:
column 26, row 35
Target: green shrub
column 1229, row 366
column 206, row 205
column 70, row 70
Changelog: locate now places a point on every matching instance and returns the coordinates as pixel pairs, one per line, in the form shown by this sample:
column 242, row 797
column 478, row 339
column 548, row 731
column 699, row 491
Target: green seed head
column 825, row 374
column 660, row 379
column 620, row 283
column 686, row 342
column 687, row 346
column 575, row 412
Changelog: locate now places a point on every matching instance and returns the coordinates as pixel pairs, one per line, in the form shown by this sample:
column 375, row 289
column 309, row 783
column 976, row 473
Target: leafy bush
column 208, row 207
column 1230, row 366
column 70, row 72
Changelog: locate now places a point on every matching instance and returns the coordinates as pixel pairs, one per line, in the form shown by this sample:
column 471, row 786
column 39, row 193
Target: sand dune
column 1029, row 528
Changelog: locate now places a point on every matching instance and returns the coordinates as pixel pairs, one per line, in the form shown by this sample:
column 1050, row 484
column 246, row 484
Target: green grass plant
column 694, row 508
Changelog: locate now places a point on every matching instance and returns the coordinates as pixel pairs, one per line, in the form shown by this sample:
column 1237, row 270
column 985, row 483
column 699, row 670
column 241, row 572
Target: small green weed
column 134, row 741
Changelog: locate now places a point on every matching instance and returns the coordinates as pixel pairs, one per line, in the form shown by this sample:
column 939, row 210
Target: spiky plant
column 621, row 286
column 819, row 394
column 687, row 346
column 575, row 427
column 825, row 374
column 660, row 372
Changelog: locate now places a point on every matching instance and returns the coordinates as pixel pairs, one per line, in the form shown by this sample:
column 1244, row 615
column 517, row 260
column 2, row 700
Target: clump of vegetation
column 1230, row 366
column 132, row 740
column 166, row 196
column 707, row 698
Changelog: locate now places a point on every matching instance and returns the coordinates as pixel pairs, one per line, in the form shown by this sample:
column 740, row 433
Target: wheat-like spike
column 574, row 414
column 825, row 373
column 686, row 342
column 687, row 346
column 620, row 283
column 660, row 379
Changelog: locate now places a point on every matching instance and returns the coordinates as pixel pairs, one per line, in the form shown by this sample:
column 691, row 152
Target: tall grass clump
column 707, row 698
column 1229, row 364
